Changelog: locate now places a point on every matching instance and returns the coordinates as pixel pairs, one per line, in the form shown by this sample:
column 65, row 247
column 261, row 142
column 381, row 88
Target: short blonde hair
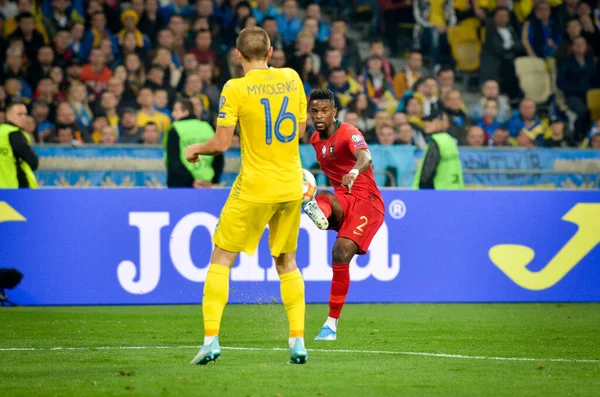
column 253, row 43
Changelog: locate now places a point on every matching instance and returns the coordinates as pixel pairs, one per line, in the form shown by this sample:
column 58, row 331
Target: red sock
column 324, row 203
column 339, row 289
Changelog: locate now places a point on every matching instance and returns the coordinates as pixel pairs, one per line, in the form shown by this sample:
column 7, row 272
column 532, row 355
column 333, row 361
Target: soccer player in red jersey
column 355, row 209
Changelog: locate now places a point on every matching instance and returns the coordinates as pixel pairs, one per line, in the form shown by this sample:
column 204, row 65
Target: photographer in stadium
column 17, row 158
column 441, row 167
column 187, row 130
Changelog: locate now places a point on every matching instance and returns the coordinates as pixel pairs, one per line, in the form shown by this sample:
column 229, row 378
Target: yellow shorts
column 242, row 224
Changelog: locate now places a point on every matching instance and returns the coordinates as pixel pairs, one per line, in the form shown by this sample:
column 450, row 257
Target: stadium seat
column 534, row 78
column 466, row 46
column 593, row 102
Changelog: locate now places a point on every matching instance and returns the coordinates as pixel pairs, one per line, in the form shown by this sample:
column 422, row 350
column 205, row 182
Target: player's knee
column 325, row 193
column 285, row 263
column 343, row 251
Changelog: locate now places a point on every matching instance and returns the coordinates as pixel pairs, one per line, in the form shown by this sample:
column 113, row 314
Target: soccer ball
column 309, row 186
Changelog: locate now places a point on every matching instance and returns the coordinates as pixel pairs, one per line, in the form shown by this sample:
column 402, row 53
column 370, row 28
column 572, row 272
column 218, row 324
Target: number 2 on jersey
column 281, row 117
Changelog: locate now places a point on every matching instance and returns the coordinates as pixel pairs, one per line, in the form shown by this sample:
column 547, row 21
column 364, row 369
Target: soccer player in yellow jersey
column 269, row 105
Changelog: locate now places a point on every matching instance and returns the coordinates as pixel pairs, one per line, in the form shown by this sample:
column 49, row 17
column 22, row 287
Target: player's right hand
column 348, row 181
column 191, row 154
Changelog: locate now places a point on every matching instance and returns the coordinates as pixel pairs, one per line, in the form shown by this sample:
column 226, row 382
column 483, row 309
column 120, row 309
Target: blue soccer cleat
column 298, row 353
column 207, row 353
column 326, row 334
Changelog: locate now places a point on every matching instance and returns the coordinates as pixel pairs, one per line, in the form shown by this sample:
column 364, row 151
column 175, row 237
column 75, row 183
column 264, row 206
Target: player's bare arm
column 363, row 160
column 214, row 146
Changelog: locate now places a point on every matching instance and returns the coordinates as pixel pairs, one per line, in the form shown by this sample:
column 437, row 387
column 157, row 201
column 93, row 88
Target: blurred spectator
column 491, row 90
column 109, row 135
column 313, row 12
column 270, row 25
column 594, row 140
column 264, row 9
column 124, row 95
column 377, row 48
column 277, row 60
column 209, row 88
column 445, row 78
column 148, row 114
column 66, row 117
column 382, row 118
column 575, row 78
column 386, row 135
column 343, row 86
column 305, row 69
column 573, row 31
column 404, row 81
column 129, row 132
column 175, row 7
column 414, row 113
column 288, row 25
column 305, row 45
column 454, row 108
column 475, row 136
column 377, row 86
column 541, row 34
column 32, row 39
column 557, row 137
column 489, row 123
column 525, row 122
column 96, row 129
column 41, row 68
column 130, row 20
column 151, row 134
column 433, row 20
column 40, row 111
column 351, row 118
column 589, row 25
column 96, row 74
column 392, row 13
column 502, row 45
column 313, row 27
column 405, row 134
column 108, row 108
column 565, row 12
column 364, row 109
column 78, row 45
column 501, row 137
column 62, row 53
column 348, row 47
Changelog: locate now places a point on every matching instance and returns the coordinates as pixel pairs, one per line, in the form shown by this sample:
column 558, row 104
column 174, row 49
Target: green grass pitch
column 382, row 350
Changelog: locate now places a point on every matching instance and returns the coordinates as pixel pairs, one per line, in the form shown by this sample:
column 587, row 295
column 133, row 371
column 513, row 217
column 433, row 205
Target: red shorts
column 360, row 222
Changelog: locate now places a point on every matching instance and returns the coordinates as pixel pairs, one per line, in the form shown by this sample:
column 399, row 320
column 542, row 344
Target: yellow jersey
column 268, row 105
column 159, row 118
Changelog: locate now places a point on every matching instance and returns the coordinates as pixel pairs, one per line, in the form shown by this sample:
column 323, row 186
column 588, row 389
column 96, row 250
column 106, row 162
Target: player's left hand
column 191, row 153
column 348, row 181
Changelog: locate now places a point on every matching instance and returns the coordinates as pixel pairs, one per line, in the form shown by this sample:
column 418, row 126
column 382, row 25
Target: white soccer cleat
column 316, row 215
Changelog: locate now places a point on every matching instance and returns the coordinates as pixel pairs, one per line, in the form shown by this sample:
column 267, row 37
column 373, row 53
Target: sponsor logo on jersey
column 324, row 150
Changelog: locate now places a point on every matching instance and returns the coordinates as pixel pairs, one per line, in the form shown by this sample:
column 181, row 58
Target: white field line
column 388, row 352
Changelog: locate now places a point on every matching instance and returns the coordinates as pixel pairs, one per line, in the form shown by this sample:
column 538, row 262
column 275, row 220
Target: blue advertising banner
column 131, row 246
column 144, row 166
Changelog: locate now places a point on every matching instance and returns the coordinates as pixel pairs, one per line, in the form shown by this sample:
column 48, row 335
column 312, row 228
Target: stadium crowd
column 108, row 72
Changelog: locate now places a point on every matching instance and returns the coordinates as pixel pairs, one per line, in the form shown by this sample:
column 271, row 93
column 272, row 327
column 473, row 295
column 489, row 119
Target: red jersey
column 336, row 158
